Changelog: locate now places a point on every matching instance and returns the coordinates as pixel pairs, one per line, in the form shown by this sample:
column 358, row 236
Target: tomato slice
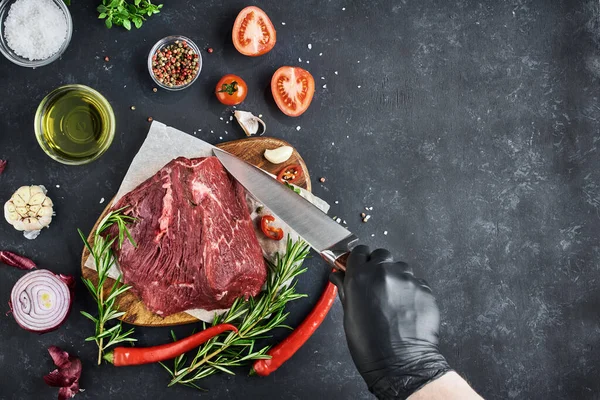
column 290, row 174
column 253, row 32
column 270, row 231
column 293, row 89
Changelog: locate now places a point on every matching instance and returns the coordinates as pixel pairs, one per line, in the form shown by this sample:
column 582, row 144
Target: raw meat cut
column 196, row 245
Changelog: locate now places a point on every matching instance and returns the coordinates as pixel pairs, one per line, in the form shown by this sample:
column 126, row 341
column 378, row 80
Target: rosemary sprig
column 254, row 318
column 107, row 332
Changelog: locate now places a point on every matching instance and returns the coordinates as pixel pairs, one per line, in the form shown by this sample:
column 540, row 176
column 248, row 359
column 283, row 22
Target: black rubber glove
column 391, row 321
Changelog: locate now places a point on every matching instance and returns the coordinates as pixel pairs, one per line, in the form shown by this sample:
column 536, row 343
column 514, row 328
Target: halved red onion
column 40, row 301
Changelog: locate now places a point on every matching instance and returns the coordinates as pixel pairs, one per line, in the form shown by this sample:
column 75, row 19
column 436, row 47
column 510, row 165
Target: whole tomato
column 231, row 90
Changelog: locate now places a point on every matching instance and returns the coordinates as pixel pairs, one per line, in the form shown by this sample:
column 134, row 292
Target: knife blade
column 322, row 233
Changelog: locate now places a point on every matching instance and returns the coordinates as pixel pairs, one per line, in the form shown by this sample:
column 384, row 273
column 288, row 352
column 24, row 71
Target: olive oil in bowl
column 74, row 124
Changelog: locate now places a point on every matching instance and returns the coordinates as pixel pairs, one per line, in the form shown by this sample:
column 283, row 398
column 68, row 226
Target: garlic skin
column 249, row 122
column 279, row 155
column 29, row 210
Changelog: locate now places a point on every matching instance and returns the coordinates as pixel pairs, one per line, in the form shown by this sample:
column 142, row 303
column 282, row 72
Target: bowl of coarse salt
column 34, row 33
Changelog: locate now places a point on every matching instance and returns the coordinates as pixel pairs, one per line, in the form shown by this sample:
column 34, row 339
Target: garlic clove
column 279, row 155
column 37, row 199
column 249, row 122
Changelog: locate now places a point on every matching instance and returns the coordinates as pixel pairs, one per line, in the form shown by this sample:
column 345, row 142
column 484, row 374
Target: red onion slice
column 2, row 166
column 40, row 301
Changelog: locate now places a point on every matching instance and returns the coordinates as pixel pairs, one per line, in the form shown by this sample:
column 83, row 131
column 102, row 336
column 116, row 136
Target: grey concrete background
column 471, row 128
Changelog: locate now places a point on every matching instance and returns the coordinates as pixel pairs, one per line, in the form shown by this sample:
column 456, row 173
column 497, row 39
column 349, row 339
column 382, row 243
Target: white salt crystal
column 385, row 232
column 283, row 23
column 221, row 137
column 337, row 202
column 308, row 62
column 299, row 59
column 102, row 200
column 221, row 118
column 309, row 46
column 322, row 77
column 298, row 128
column 320, row 54
column 324, row 86
column 335, row 72
column 372, row 235
column 343, row 8
column 358, row 86
column 35, row 29
column 57, row 186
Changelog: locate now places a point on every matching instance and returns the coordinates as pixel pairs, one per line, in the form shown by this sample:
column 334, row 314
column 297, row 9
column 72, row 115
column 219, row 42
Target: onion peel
column 66, row 376
column 15, row 260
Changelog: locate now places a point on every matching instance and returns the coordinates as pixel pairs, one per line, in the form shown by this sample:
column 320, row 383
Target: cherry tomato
column 231, row 90
column 270, row 231
column 293, row 90
column 290, row 174
column 253, row 32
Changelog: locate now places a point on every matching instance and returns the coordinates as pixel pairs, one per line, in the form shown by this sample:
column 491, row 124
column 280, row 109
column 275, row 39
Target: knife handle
column 340, row 262
column 337, row 255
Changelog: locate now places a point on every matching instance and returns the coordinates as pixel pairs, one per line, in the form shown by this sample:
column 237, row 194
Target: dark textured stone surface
column 469, row 127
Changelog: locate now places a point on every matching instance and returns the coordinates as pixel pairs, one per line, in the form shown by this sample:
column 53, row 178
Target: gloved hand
column 391, row 321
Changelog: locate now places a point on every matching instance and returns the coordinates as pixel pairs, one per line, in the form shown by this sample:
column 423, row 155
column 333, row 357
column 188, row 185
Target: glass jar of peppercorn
column 174, row 62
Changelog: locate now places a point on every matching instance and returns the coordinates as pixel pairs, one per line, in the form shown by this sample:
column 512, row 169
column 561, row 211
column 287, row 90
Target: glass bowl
column 101, row 105
column 25, row 62
column 162, row 43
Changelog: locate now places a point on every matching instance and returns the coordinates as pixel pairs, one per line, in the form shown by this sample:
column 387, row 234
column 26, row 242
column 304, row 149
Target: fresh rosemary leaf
column 102, row 252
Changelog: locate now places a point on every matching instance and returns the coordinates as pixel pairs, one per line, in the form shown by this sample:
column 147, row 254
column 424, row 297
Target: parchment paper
column 163, row 144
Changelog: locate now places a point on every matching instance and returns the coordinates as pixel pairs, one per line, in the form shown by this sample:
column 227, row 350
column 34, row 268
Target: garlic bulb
column 279, row 155
column 249, row 122
column 29, row 210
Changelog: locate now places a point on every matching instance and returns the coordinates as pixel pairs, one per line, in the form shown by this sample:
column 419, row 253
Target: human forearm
column 450, row 386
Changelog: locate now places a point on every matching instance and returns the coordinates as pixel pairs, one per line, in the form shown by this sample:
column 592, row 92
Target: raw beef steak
column 196, row 244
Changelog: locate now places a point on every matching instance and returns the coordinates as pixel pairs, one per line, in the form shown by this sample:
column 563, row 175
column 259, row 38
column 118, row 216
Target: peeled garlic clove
column 249, row 122
column 29, row 210
column 279, row 155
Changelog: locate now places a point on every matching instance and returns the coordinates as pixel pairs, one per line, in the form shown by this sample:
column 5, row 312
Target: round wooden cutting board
column 250, row 150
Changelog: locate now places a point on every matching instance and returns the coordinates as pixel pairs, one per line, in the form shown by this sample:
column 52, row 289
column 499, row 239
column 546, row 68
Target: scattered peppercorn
column 210, row 50
column 132, row 108
column 154, row 90
column 149, row 119
column 322, row 180
column 176, row 64
column 106, row 59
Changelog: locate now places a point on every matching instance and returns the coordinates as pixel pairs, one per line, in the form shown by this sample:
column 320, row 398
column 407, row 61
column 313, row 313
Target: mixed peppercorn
column 175, row 64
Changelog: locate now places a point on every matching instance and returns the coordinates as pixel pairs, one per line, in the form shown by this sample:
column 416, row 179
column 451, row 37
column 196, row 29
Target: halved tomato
column 253, row 32
column 293, row 89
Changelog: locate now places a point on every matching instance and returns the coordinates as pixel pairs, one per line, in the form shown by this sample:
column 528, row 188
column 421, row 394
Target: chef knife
column 322, row 233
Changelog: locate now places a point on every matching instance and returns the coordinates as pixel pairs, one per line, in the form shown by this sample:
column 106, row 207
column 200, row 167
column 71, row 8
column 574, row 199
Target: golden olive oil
column 76, row 125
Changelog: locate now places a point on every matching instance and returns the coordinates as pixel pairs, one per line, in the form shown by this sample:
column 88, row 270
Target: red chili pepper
column 270, row 231
column 286, row 349
column 290, row 174
column 124, row 356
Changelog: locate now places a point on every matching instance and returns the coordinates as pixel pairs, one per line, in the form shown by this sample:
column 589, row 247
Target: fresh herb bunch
column 254, row 318
column 122, row 13
column 102, row 252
